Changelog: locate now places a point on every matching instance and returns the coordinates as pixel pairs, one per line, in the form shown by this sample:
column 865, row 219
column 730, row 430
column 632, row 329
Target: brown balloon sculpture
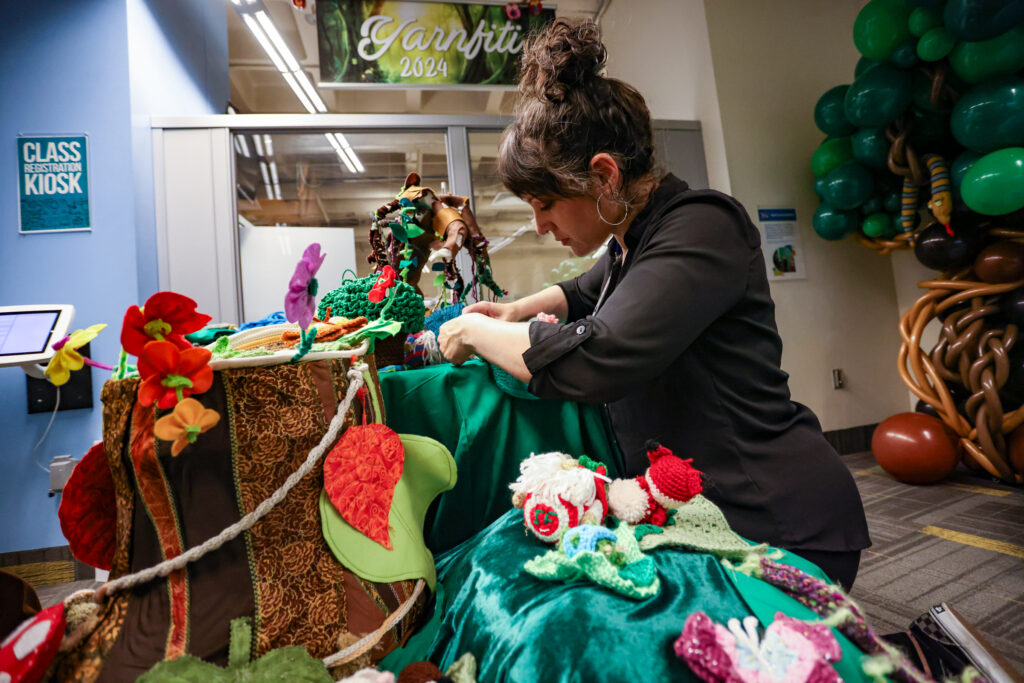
column 972, row 355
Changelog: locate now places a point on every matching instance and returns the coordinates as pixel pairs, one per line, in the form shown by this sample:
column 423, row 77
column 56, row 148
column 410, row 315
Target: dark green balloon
column 935, row 44
column 878, row 96
column 880, row 27
column 923, row 20
column 829, row 115
column 980, row 61
column 870, row 147
column 848, row 186
column 833, row 225
column 904, row 56
column 863, row 64
column 897, row 221
column 892, row 202
column 877, row 224
column 989, row 116
column 819, row 187
column 995, row 183
column 981, row 19
column 873, row 205
column 961, row 165
column 921, row 92
column 829, row 155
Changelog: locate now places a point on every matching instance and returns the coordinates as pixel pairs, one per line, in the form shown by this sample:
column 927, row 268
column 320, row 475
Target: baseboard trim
column 851, row 439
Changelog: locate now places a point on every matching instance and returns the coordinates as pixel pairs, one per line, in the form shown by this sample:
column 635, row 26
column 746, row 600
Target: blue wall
column 65, row 67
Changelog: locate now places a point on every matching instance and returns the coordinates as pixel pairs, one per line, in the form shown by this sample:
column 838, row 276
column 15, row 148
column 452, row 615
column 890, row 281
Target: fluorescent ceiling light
column 236, row 2
column 267, row 25
column 290, row 80
column 311, row 92
column 268, row 145
column 273, row 44
column 240, row 139
column 266, row 180
column 273, row 172
column 264, row 42
column 350, row 152
column 341, row 153
column 259, row 145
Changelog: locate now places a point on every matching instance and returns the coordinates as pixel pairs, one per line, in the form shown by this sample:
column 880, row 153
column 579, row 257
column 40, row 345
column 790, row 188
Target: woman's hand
column 456, row 336
column 490, row 309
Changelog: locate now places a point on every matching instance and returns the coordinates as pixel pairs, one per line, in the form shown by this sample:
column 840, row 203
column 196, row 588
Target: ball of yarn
column 351, row 301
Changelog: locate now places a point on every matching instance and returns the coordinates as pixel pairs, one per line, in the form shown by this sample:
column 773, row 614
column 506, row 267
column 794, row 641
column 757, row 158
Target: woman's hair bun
column 563, row 56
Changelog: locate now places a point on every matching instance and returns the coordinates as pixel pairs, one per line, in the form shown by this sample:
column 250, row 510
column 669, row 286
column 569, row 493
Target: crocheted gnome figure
column 668, row 483
column 557, row 492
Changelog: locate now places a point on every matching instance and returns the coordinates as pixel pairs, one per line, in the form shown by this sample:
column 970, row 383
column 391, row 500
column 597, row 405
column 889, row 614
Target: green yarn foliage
column 350, row 300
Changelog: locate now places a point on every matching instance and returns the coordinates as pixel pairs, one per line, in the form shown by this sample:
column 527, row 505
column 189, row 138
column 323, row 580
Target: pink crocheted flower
column 789, row 651
column 300, row 301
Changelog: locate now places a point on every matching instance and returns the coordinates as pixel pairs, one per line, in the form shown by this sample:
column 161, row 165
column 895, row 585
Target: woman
column 674, row 328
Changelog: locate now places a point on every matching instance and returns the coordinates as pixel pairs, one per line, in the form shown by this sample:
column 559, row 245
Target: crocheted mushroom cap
column 351, row 301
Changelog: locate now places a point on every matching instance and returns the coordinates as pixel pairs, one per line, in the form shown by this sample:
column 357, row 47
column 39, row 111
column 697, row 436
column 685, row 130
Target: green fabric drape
column 488, row 432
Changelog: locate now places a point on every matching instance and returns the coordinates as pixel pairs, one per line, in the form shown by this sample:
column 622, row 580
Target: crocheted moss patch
column 351, row 300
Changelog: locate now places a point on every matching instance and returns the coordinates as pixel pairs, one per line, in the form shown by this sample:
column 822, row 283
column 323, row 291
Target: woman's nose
column 542, row 228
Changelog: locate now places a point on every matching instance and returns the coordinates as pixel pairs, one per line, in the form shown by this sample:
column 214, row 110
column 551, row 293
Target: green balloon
column 833, row 225
column 873, row 205
column 892, row 201
column 989, row 116
column 878, row 96
column 829, row 155
column 863, row 64
column 923, row 20
column 877, row 224
column 848, row 186
column 935, row 44
column 986, row 59
column 870, row 147
column 829, row 115
column 880, row 27
column 961, row 165
column 995, row 183
column 905, row 56
column 819, row 186
column 921, row 92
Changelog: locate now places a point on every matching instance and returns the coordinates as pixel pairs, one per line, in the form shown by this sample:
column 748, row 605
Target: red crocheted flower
column 167, row 371
column 385, row 280
column 88, row 510
column 165, row 316
column 360, row 475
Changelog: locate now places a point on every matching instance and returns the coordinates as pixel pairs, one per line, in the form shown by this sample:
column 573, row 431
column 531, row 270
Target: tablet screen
column 28, row 332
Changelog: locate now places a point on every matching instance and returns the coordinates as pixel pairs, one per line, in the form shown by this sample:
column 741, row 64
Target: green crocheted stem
column 122, row 365
column 589, row 463
column 157, row 328
column 192, row 432
column 307, row 337
column 176, row 382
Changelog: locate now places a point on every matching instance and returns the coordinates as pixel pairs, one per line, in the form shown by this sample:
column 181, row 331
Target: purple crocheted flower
column 300, row 301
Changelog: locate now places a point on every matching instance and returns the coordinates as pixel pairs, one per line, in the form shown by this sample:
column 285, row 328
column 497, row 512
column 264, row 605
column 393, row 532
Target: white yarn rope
column 355, row 376
column 367, row 642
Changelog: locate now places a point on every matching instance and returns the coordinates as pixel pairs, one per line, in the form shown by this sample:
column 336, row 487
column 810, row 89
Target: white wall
column 662, row 48
column 772, row 61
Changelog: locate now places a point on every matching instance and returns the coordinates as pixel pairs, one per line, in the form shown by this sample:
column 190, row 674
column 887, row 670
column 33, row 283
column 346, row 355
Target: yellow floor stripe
column 45, row 573
column 983, row 490
column 1003, row 547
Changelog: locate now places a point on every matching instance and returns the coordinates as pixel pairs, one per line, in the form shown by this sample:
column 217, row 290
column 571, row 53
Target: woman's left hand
column 456, row 337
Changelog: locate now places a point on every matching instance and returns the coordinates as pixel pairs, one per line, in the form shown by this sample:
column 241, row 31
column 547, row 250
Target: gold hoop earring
column 622, row 220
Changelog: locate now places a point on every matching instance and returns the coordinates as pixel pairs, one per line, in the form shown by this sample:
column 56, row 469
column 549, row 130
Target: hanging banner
column 383, row 43
column 53, row 183
column 781, row 243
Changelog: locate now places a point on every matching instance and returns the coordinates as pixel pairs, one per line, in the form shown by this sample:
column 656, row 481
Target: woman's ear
column 606, row 172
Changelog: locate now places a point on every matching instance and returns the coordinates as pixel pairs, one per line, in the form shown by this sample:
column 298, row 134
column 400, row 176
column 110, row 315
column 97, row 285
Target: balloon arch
column 925, row 151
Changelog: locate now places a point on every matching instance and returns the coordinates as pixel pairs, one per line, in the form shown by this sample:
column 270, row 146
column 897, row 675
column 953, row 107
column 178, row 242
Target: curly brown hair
column 568, row 112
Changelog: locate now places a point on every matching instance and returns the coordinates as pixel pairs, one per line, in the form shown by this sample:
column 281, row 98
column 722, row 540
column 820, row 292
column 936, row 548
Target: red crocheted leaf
column 88, row 510
column 360, row 475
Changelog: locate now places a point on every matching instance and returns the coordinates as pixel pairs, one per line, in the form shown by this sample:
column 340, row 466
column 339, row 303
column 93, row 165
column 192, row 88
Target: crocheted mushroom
column 668, row 483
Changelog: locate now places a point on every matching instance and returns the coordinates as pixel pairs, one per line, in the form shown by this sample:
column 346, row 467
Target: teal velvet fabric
column 488, row 432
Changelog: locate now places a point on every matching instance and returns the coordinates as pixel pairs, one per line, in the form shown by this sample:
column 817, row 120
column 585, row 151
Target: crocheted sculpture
column 351, row 300
column 615, row 562
column 88, row 510
column 791, row 651
column 26, row 653
column 668, row 483
column 698, row 525
column 557, row 492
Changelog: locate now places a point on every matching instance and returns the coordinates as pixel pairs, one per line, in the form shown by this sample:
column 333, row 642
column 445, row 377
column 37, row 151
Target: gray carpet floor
column 960, row 542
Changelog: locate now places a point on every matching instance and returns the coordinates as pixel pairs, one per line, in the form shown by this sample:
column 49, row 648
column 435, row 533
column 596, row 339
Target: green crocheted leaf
column 291, row 663
column 642, row 530
column 700, row 525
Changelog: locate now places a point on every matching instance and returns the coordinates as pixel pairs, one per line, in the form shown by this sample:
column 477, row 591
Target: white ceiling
column 257, row 87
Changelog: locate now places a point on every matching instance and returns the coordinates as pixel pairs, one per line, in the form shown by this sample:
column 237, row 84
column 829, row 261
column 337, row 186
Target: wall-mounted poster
column 382, row 43
column 781, row 243
column 53, row 183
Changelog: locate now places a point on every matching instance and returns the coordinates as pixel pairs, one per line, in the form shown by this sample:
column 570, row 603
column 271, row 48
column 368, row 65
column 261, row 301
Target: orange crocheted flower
column 166, row 316
column 169, row 374
column 185, row 424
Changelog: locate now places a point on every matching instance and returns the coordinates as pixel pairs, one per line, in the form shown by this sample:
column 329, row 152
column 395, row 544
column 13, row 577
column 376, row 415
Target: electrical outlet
column 838, row 379
column 60, row 472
